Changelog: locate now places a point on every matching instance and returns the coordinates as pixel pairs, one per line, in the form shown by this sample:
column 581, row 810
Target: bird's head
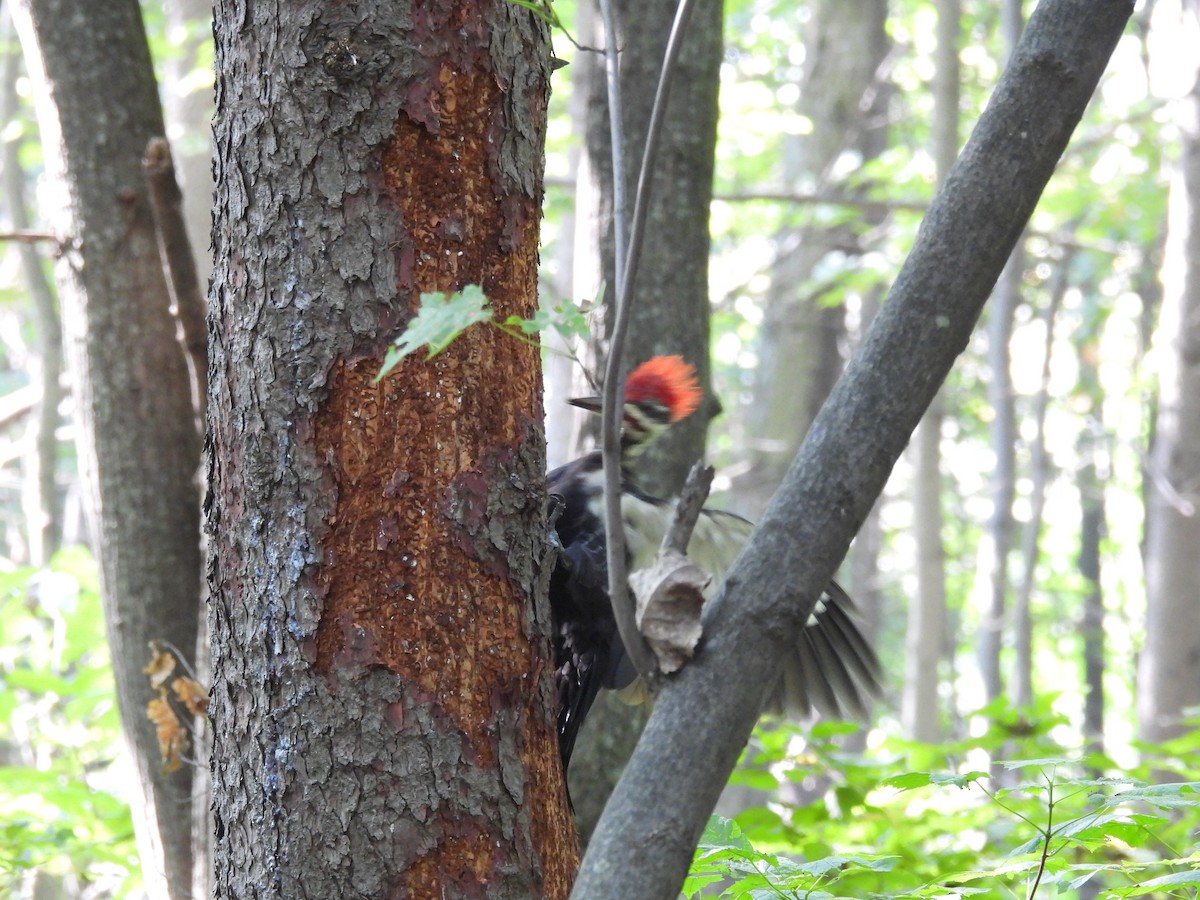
column 658, row 393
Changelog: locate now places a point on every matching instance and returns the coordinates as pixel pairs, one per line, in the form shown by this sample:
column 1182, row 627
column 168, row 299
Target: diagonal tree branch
column 644, row 841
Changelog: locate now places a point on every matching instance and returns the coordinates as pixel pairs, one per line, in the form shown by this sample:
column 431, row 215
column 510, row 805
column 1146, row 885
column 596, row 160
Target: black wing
column 831, row 667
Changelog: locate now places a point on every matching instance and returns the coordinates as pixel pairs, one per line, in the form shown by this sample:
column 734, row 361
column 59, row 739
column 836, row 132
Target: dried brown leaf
column 191, row 695
column 670, row 597
column 160, row 667
column 173, row 739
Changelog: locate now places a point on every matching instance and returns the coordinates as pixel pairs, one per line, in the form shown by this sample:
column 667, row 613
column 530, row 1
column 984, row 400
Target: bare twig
column 688, row 508
column 179, row 266
column 28, row 237
column 19, row 403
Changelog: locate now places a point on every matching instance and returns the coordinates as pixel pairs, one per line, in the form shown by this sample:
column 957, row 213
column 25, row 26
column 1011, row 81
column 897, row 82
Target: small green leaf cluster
column 442, row 317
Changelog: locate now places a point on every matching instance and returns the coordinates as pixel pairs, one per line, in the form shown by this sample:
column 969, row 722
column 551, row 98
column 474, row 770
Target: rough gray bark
column 138, row 446
column 645, row 839
column 382, row 704
column 1169, row 666
column 925, row 634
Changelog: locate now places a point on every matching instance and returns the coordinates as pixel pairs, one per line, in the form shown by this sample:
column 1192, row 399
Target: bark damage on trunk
column 407, row 736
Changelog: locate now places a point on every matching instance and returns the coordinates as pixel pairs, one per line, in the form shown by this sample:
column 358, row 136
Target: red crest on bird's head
column 666, row 380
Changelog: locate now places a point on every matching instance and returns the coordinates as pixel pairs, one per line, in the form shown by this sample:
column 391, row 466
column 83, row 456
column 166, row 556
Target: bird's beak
column 591, row 404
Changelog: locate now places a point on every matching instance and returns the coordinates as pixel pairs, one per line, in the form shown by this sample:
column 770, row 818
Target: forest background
column 1024, row 630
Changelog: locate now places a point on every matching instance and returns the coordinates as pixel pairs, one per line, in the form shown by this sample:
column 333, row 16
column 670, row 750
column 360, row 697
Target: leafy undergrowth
column 892, row 824
column 64, row 828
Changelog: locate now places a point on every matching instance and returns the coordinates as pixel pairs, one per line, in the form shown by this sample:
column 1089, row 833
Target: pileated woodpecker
column 831, row 665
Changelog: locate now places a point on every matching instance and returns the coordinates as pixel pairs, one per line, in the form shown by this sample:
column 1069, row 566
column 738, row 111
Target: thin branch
column 179, row 266
column 28, row 237
column 18, row 403
column 1046, row 843
column 688, row 508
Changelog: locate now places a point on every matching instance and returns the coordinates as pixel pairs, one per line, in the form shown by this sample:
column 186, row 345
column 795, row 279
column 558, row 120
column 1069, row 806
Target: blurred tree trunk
column 98, row 106
column 803, row 340
column 1091, row 532
column 188, row 108
column 39, row 494
column 864, row 581
column 670, row 297
column 1169, row 667
column 992, row 582
column 803, row 335
column 575, row 273
column 925, row 641
column 383, row 707
column 1021, row 682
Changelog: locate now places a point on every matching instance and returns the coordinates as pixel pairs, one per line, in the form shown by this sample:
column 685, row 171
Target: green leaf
column 37, row 682
column 440, row 319
column 910, row 780
column 695, row 883
column 828, row 728
column 1051, row 761
column 724, row 833
column 1175, row 879
column 565, row 318
column 541, row 9
column 841, row 863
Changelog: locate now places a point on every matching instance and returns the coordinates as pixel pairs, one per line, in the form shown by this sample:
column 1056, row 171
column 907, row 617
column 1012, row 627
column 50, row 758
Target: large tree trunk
column 138, row 446
column 1169, row 668
column 383, row 711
